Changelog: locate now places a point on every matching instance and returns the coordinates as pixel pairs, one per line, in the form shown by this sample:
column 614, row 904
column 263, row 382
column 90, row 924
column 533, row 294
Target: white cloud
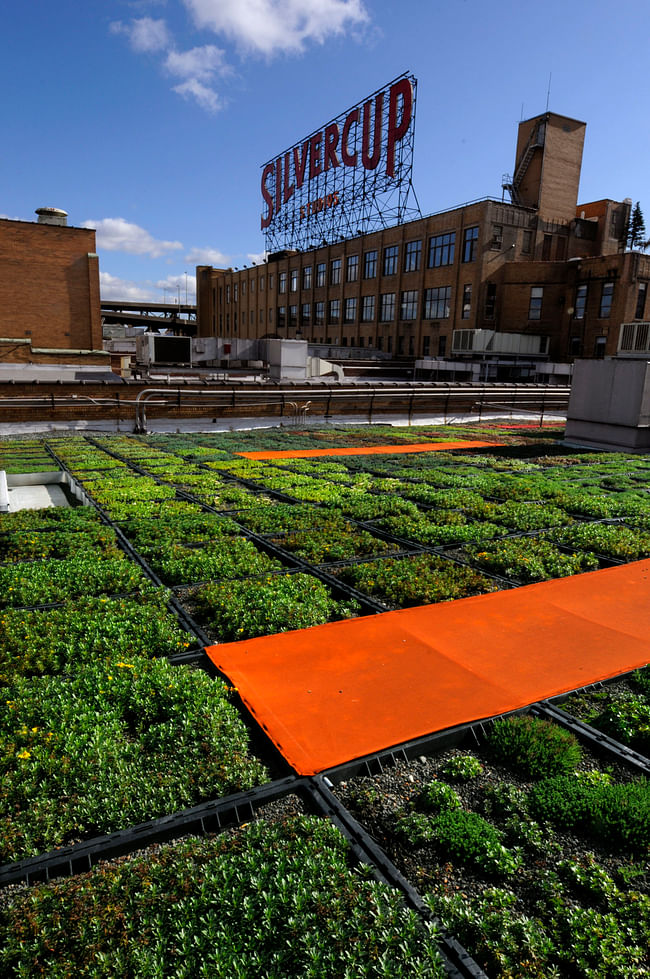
column 207, row 256
column 272, row 26
column 199, row 63
column 198, row 67
column 118, row 235
column 144, row 34
column 258, row 259
column 112, row 288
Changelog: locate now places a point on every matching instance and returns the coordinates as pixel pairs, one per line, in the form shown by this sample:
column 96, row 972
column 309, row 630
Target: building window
column 560, row 249
column 599, row 347
column 470, row 243
column 581, row 303
column 305, row 314
column 227, row 294
column 350, row 315
column 606, row 298
column 389, row 344
column 409, row 305
column 370, row 265
column 252, row 285
column 319, row 314
column 527, row 242
column 352, row 268
column 400, row 346
column 293, row 316
column 391, row 256
column 387, row 307
column 367, row 309
column 426, row 346
column 467, row 301
column 235, row 292
column 293, row 280
column 436, row 303
column 441, row 250
column 243, row 288
column 360, row 344
column 334, row 313
column 320, row 274
column 547, row 244
column 335, row 272
column 490, row 300
column 412, row 256
column 442, row 346
column 270, row 315
column 535, row 303
column 271, row 280
column 380, row 343
column 282, row 281
column 640, row 300
column 282, row 316
column 497, row 237
column 575, row 348
column 261, row 283
column 306, row 277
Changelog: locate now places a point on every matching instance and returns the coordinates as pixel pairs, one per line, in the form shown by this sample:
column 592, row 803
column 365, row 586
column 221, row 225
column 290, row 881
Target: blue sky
column 150, row 120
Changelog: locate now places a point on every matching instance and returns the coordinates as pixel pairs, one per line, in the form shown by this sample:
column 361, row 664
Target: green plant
column 268, row 899
column 277, row 603
column 462, row 768
column 535, row 747
column 114, row 744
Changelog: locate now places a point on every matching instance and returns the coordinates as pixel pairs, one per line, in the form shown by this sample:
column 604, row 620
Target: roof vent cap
column 52, row 215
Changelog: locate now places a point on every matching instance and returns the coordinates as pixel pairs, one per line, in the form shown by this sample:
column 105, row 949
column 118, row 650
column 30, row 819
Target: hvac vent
column 52, row 215
column 634, row 340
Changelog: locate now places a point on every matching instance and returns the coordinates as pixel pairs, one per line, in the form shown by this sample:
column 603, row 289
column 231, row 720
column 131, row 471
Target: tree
column 636, row 228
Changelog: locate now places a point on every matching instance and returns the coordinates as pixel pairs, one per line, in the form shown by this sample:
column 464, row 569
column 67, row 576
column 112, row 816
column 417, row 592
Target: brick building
column 49, row 292
column 539, row 265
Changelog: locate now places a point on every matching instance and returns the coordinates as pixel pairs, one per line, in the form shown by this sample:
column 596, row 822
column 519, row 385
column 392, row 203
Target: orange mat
column 368, row 450
column 332, row 693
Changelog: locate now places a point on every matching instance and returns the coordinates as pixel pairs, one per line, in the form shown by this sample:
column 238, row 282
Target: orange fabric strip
column 336, row 692
column 367, row 450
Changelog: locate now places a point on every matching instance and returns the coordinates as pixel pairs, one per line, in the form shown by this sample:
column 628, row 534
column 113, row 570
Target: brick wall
column 49, row 285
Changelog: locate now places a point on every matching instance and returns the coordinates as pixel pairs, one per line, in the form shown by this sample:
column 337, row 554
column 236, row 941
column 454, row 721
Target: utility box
column 287, row 359
column 609, row 406
column 158, row 348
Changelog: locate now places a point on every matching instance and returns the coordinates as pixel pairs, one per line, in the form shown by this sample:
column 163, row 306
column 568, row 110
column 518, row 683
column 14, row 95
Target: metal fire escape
column 513, row 183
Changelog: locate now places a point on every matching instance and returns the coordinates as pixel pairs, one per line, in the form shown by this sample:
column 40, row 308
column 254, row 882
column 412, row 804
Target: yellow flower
column 24, row 754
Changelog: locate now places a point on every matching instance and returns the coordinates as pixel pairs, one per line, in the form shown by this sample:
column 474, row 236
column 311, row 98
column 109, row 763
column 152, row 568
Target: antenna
column 548, row 93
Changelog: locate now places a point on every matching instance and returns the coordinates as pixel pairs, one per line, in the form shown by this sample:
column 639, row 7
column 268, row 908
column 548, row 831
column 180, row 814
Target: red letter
column 350, row 159
column 370, row 162
column 298, row 164
column 278, row 183
column 288, row 188
column 266, row 219
column 331, row 142
column 396, row 132
column 315, row 164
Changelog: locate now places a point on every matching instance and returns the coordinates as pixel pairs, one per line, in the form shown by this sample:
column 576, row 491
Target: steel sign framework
column 351, row 176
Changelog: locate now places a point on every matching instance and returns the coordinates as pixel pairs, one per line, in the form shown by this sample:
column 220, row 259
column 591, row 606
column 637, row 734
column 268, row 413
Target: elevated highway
column 179, row 317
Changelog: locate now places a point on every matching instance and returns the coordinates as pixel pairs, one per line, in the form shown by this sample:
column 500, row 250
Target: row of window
column 436, row 306
column 441, row 252
column 606, row 300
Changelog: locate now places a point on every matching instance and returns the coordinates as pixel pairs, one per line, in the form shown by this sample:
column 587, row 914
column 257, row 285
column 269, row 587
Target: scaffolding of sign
column 350, row 177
